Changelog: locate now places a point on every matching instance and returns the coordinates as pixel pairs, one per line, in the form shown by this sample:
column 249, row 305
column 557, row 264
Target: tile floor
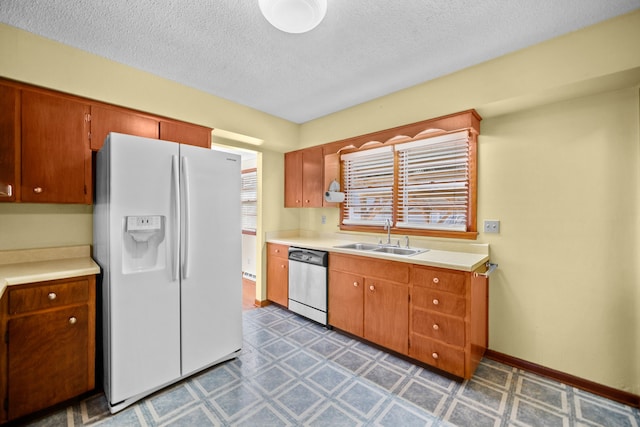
column 294, row 372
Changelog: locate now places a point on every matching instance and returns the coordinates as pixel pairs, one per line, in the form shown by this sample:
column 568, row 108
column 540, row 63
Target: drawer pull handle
column 436, row 301
column 435, row 327
column 355, row 284
column 73, row 320
column 436, row 280
column 52, row 296
column 434, row 355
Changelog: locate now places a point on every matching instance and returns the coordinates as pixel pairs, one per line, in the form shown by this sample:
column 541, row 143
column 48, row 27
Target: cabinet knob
column 434, row 355
column 282, row 266
column 277, row 251
column 372, row 288
column 436, row 280
column 72, row 320
column 52, row 296
column 355, row 284
column 435, row 327
column 306, row 201
column 37, row 190
column 436, row 301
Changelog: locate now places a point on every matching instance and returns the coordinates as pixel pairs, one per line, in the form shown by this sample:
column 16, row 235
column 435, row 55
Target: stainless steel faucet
column 406, row 241
column 387, row 226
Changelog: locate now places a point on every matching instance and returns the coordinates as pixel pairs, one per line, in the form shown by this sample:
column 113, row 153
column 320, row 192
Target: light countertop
column 457, row 255
column 18, row 267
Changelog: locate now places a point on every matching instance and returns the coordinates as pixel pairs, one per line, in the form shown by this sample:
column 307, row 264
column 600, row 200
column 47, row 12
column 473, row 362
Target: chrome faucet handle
column 406, row 241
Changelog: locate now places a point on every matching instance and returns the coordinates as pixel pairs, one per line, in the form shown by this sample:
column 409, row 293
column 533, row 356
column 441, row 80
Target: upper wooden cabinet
column 185, row 133
column 9, row 143
column 106, row 118
column 56, row 158
column 46, row 140
column 304, row 178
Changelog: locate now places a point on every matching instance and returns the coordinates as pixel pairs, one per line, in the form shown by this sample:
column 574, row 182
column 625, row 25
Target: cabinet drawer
column 47, row 295
column 444, row 280
column 434, row 353
column 393, row 271
column 281, row 251
column 438, row 326
column 443, row 302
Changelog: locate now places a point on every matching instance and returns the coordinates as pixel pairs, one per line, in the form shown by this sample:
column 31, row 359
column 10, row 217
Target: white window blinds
column 249, row 198
column 368, row 186
column 433, row 182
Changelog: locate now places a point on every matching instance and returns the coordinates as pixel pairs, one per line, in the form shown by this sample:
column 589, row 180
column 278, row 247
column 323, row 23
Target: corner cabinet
column 278, row 274
column 9, row 143
column 433, row 315
column 49, row 350
column 304, row 178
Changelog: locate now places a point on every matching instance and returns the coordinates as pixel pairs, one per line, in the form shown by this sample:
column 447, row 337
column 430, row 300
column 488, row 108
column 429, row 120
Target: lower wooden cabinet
column 386, row 314
column 346, row 301
column 49, row 352
column 370, row 298
column 278, row 274
column 433, row 315
column 448, row 319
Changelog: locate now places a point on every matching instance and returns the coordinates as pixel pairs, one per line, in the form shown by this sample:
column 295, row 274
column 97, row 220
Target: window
column 249, row 197
column 433, row 182
column 368, row 185
column 425, row 185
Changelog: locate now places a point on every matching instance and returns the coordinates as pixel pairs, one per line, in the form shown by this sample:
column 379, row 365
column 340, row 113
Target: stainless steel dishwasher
column 308, row 283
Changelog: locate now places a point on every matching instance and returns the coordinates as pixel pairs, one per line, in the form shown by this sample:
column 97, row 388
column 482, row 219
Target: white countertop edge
column 451, row 259
column 41, row 271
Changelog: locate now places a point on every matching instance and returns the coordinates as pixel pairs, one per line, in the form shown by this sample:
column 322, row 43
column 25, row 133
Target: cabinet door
column 386, row 314
column 48, row 359
column 185, row 133
column 346, row 309
column 312, row 177
column 56, row 158
column 111, row 119
column 278, row 280
column 9, row 143
column 293, row 179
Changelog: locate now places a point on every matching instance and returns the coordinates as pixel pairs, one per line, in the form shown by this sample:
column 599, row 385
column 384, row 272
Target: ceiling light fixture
column 294, row 16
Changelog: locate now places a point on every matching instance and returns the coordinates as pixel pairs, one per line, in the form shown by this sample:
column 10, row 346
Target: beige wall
column 559, row 165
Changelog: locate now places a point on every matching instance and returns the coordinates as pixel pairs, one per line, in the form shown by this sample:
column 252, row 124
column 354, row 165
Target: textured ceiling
column 363, row 49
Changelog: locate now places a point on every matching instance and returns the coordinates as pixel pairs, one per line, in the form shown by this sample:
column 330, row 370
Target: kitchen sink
column 394, row 250
column 360, row 246
column 399, row 251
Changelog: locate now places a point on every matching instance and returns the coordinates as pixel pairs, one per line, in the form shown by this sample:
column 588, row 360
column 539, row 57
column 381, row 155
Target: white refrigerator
column 167, row 236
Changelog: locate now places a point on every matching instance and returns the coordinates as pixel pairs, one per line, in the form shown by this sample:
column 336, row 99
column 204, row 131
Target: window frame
column 468, row 120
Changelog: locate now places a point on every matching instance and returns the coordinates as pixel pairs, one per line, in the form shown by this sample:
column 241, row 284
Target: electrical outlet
column 323, row 220
column 492, row 226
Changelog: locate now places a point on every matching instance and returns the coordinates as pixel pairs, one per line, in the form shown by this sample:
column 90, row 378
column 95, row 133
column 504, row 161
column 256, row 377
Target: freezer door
column 142, row 326
column 211, row 272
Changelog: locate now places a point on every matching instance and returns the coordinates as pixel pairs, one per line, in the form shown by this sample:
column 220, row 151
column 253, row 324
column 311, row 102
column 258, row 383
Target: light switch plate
column 492, row 226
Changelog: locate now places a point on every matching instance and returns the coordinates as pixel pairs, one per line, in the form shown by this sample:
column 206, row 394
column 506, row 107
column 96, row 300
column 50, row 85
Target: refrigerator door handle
column 187, row 217
column 175, row 182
